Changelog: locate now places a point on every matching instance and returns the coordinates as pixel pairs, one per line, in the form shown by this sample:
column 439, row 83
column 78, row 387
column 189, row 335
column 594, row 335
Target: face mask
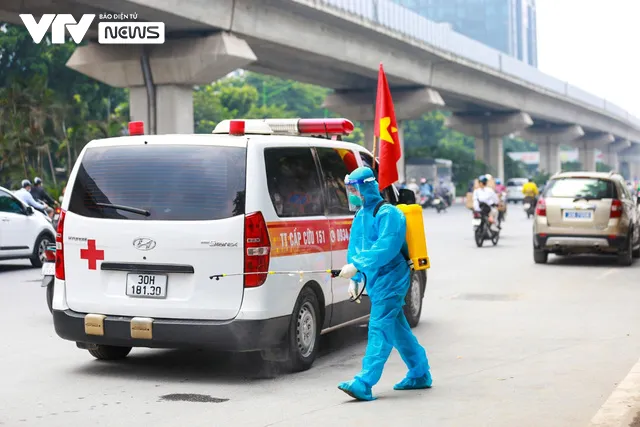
column 355, row 200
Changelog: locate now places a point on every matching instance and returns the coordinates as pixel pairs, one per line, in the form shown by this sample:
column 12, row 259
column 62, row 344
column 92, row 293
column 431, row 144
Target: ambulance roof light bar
column 297, row 127
column 136, row 128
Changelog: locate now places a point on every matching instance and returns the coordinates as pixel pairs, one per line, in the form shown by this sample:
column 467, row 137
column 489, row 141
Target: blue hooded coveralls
column 375, row 248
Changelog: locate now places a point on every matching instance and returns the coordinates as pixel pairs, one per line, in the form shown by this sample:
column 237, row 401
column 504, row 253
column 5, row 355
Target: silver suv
column 586, row 212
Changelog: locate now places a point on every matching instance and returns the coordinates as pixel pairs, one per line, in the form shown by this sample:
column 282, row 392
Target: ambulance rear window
column 170, row 182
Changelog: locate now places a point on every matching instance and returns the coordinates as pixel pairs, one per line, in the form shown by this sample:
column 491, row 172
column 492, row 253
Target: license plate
column 147, row 285
column 56, row 216
column 578, row 215
column 527, row 206
column 48, row 269
column 475, row 221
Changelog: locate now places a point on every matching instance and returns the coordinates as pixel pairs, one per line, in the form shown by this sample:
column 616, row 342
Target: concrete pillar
column 630, row 161
column 549, row 157
column 367, row 129
column 611, row 153
column 361, row 106
column 176, row 66
column 587, row 146
column 401, row 162
column 488, row 129
column 549, row 138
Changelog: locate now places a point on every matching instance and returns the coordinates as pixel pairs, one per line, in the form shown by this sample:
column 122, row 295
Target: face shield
column 353, row 192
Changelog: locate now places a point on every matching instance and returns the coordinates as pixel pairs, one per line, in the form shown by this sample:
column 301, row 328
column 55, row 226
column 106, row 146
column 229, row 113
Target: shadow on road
column 206, row 366
column 12, row 267
column 583, row 261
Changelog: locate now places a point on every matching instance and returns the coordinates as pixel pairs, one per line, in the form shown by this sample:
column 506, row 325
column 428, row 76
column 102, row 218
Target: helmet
column 483, row 179
column 25, row 183
column 423, row 180
column 413, row 180
column 498, row 181
column 488, row 176
column 37, row 181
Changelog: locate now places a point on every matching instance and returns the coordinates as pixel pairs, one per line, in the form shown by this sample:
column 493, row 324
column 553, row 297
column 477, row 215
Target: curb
column 623, row 404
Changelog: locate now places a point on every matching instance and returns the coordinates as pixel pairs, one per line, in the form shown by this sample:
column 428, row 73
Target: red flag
column 386, row 128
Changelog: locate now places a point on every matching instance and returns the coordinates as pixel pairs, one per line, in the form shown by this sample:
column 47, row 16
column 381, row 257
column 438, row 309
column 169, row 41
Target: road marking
column 607, row 273
column 623, row 404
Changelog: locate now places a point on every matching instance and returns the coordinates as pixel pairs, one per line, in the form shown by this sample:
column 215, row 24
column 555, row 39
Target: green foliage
column 48, row 112
column 516, row 145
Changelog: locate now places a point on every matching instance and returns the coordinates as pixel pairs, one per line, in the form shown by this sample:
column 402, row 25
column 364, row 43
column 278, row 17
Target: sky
column 593, row 44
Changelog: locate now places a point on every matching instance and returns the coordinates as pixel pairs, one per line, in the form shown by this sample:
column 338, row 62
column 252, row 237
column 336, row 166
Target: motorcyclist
column 24, row 194
column 425, row 188
column 39, row 193
column 443, row 192
column 485, row 194
column 501, row 190
column 413, row 186
column 530, row 189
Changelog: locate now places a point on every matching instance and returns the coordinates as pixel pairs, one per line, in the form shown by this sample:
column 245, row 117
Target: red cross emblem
column 91, row 254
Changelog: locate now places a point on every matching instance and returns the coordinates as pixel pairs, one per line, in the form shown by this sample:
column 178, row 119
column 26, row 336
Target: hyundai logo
column 144, row 243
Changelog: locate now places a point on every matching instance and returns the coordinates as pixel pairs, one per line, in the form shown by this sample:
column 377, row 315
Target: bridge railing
column 408, row 23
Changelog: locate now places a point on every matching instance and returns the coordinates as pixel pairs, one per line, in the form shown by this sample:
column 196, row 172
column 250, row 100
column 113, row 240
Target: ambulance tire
column 415, row 295
column 304, row 331
column 109, row 352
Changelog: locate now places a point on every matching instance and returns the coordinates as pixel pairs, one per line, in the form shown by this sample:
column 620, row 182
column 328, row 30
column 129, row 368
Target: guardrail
column 410, row 24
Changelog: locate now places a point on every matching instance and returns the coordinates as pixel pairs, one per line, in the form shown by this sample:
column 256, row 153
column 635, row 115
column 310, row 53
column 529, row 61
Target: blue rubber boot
column 357, row 389
column 422, row 382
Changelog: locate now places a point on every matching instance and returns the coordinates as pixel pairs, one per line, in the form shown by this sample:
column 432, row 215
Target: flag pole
column 375, row 149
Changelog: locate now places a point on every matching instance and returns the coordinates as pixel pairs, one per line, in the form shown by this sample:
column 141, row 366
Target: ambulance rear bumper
column 233, row 335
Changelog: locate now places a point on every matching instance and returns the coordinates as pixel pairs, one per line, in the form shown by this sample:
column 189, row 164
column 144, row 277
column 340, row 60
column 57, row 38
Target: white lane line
column 607, row 273
column 623, row 404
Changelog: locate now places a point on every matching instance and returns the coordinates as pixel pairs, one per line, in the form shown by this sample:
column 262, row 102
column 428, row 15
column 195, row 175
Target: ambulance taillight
column 60, row 247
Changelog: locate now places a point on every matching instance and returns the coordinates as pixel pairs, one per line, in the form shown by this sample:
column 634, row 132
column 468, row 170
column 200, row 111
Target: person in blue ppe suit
column 377, row 245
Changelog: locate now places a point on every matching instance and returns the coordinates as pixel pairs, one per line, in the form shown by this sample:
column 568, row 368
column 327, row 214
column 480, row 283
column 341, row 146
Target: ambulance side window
column 336, row 164
column 293, row 182
column 388, row 193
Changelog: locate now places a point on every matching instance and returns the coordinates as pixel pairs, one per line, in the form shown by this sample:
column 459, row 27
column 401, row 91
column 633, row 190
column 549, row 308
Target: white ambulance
column 164, row 241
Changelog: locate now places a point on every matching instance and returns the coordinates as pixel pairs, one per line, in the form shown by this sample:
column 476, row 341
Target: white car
column 24, row 232
column 514, row 189
column 166, row 241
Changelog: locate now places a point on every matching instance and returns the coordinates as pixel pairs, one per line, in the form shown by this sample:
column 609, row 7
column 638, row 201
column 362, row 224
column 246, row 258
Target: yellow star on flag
column 384, row 129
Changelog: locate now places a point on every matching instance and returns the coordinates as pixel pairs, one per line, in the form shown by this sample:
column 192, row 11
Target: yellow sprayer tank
column 416, row 239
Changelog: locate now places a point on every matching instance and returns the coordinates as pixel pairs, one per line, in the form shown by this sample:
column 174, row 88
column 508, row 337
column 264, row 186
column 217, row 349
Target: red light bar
column 325, row 126
column 136, row 128
column 236, row 127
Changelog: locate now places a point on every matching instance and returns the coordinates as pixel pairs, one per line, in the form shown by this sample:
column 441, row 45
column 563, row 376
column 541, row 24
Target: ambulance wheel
column 109, row 352
column 304, row 331
column 413, row 300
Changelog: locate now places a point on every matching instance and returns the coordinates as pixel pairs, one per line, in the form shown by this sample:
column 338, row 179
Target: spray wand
column 301, row 273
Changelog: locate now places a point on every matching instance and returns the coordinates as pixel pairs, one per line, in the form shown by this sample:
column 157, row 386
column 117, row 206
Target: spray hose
column 301, row 273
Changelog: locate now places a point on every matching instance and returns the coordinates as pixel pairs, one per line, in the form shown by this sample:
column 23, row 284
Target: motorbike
column 49, row 274
column 502, row 213
column 529, row 205
column 439, row 203
column 482, row 227
column 56, row 217
column 426, row 200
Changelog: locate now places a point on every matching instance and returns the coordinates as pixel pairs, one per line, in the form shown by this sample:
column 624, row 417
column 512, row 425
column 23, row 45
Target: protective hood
column 369, row 190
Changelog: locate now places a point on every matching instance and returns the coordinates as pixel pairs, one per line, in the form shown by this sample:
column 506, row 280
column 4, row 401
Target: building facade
column 505, row 25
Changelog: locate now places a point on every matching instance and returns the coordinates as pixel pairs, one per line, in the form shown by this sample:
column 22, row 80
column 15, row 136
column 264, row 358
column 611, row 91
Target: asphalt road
column 511, row 343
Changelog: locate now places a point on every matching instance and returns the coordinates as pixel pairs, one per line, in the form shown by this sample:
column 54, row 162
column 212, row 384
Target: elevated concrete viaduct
column 339, row 44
